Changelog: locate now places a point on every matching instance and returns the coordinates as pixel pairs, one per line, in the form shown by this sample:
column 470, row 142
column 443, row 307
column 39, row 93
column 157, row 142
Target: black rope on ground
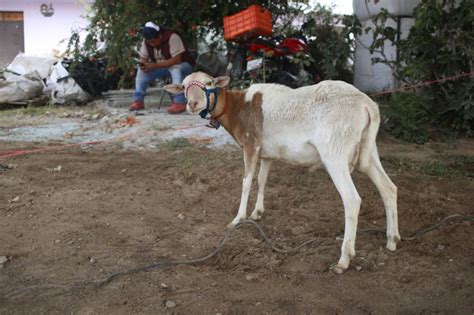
column 99, row 283
column 420, row 232
column 227, row 233
column 269, row 242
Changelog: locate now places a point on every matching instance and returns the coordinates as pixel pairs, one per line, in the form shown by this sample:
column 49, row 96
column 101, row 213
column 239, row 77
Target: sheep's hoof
column 392, row 242
column 231, row 226
column 391, row 246
column 256, row 215
column 337, row 269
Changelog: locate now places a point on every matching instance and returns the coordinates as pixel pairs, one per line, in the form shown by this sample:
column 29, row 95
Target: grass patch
column 35, row 111
column 449, row 166
column 52, row 110
column 158, row 127
column 30, row 110
column 176, row 144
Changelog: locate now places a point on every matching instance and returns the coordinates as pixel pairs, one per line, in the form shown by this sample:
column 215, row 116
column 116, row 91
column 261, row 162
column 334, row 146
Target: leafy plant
column 406, row 116
column 439, row 45
column 331, row 42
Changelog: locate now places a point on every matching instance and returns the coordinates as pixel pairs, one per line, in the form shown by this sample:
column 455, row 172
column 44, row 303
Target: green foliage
column 446, row 50
column 406, row 117
column 332, row 48
column 439, row 45
column 331, row 38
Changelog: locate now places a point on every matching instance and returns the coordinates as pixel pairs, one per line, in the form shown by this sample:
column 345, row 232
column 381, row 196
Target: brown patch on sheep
column 243, row 120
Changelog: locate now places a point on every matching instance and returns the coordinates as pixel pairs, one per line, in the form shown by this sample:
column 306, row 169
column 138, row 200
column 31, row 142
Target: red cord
column 424, row 84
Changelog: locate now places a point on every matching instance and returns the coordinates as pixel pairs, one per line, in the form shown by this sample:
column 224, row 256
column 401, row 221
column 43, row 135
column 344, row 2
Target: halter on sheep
column 331, row 123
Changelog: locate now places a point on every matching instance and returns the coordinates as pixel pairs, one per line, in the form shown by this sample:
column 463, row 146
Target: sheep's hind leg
column 250, row 162
column 388, row 191
column 341, row 177
column 262, row 180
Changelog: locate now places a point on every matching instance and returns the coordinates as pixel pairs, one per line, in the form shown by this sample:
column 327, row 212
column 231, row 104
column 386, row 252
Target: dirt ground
column 83, row 213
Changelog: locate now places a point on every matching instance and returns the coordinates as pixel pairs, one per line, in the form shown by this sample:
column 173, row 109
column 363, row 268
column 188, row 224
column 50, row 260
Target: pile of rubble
column 36, row 80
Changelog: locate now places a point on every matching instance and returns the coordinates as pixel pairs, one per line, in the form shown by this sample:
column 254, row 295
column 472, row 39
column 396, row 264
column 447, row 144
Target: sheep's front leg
column 250, row 160
column 262, row 180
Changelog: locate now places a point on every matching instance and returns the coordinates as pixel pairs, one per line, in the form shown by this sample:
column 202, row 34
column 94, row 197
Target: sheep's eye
column 208, row 83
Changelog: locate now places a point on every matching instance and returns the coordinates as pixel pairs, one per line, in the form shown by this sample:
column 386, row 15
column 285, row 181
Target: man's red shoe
column 137, row 105
column 176, row 108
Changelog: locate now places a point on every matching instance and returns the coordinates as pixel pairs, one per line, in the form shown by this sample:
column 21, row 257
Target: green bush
column 439, row 45
column 405, row 116
column 333, row 49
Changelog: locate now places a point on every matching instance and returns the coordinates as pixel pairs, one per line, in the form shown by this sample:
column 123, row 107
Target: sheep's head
column 194, row 88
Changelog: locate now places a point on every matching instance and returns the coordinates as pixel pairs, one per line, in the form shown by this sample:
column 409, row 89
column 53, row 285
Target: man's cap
column 150, row 30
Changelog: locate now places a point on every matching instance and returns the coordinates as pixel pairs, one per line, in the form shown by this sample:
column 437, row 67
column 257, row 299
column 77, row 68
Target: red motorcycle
column 277, row 60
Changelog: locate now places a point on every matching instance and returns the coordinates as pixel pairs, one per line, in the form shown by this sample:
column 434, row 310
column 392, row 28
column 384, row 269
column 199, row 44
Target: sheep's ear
column 221, row 81
column 174, row 88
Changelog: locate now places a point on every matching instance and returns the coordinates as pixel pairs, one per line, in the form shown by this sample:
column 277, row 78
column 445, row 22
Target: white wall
column 43, row 34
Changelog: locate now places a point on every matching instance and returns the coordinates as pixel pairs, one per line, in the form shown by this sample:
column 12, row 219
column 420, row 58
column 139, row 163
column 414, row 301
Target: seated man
column 162, row 54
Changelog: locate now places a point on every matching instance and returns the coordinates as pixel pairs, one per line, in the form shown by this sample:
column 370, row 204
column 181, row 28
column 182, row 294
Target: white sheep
column 331, row 123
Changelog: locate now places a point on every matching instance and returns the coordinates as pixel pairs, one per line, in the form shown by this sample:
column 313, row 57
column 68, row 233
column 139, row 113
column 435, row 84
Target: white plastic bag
column 23, row 64
column 20, row 87
column 64, row 88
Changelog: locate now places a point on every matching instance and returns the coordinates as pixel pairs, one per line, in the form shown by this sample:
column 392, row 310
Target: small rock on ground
column 3, row 259
column 170, row 304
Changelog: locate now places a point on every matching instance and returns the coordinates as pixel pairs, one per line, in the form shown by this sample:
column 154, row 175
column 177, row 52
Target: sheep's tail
column 369, row 135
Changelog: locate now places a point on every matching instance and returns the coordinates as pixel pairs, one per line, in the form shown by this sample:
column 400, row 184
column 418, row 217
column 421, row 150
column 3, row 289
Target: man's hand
column 148, row 67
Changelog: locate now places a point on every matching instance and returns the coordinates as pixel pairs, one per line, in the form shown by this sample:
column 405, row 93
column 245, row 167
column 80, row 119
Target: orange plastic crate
column 254, row 19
